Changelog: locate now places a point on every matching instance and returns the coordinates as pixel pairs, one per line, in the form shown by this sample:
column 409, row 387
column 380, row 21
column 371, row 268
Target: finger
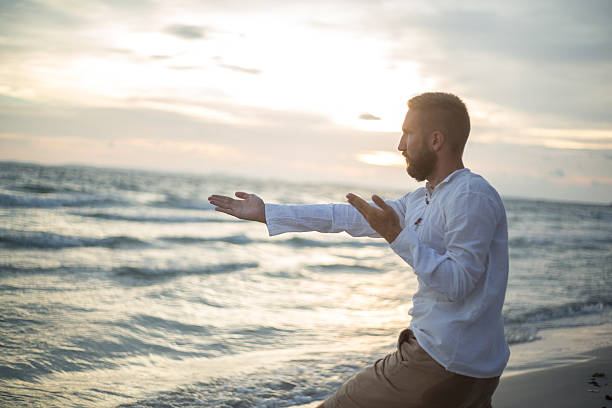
column 358, row 202
column 387, row 209
column 225, row 202
column 217, row 196
column 359, row 210
column 380, row 202
column 242, row 194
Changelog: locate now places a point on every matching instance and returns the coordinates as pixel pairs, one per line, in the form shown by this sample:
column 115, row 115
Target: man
column 453, row 232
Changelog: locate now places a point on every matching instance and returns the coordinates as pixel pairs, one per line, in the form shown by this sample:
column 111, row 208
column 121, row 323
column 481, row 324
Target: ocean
column 123, row 288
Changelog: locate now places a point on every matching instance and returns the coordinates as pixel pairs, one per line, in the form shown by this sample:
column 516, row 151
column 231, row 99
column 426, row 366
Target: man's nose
column 402, row 144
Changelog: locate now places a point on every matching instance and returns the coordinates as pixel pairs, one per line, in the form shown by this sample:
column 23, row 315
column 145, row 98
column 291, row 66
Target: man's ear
column 437, row 140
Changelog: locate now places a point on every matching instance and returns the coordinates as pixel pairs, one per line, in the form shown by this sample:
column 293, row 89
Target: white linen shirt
column 455, row 237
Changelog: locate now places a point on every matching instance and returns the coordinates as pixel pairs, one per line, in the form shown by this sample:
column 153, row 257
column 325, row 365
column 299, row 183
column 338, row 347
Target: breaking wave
column 49, row 240
column 156, row 219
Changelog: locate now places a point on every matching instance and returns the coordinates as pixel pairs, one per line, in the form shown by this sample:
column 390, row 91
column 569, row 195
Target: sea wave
column 16, row 269
column 521, row 334
column 239, row 239
column 80, row 353
column 10, row 200
column 300, row 242
column 341, row 267
column 155, row 219
column 24, row 201
column 144, row 273
column 525, row 326
column 546, row 313
column 174, row 201
column 273, row 391
column 147, row 323
column 130, row 271
column 295, row 242
column 559, row 243
column 43, row 188
column 48, row 240
column 302, row 381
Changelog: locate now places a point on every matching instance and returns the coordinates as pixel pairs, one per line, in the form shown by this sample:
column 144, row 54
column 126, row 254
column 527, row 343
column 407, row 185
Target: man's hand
column 384, row 220
column 251, row 207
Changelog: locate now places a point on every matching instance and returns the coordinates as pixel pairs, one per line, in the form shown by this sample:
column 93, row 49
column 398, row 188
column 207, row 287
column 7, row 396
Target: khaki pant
column 410, row 378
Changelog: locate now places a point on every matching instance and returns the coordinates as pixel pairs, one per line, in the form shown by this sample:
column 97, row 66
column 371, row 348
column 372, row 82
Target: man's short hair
column 444, row 112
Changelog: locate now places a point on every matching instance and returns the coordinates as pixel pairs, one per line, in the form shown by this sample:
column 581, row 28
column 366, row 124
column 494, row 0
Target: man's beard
column 421, row 165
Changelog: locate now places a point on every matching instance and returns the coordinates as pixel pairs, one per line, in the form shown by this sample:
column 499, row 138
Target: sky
column 310, row 91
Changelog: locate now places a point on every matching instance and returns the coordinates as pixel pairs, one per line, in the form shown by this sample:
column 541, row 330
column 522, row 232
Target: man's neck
column 442, row 171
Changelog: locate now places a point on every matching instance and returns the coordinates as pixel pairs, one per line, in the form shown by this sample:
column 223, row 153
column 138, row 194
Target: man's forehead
column 410, row 120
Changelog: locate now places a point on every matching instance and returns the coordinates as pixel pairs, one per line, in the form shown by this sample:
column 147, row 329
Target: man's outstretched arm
column 300, row 218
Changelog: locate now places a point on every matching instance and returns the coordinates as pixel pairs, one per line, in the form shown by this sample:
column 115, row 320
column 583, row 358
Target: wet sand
column 568, row 386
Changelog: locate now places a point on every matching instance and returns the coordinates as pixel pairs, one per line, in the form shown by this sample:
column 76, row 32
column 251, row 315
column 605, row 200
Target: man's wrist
column 393, row 233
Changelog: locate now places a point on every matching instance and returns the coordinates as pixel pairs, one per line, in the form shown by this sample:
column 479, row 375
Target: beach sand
column 568, row 386
column 571, row 386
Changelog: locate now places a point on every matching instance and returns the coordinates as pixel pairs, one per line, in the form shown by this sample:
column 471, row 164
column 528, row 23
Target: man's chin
column 417, row 177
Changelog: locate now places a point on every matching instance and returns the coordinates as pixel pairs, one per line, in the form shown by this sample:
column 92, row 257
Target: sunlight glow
column 587, row 134
column 574, row 139
column 266, row 62
column 382, row 158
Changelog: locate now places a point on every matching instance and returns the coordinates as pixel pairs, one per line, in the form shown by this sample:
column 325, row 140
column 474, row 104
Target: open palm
column 248, row 207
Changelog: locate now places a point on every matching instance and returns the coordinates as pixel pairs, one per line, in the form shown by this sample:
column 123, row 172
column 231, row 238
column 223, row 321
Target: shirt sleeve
column 324, row 218
column 471, row 222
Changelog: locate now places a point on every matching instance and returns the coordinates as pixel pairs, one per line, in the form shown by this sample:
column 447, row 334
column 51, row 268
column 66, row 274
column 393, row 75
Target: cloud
column 557, row 173
column 20, row 16
column 184, row 67
column 550, row 60
column 236, row 68
column 251, row 71
column 231, row 113
column 178, row 119
column 118, row 51
column 571, row 138
column 368, row 116
column 188, row 32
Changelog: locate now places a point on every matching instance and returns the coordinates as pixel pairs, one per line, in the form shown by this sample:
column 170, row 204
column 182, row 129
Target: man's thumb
column 242, row 194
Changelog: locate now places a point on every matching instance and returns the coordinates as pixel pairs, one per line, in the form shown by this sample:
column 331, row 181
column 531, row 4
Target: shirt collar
column 447, row 179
